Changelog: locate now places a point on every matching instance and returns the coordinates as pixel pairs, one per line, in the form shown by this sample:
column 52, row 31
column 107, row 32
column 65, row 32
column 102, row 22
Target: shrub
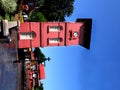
column 1, row 18
column 7, row 17
column 9, row 6
column 12, row 18
column 40, row 3
column 37, row 17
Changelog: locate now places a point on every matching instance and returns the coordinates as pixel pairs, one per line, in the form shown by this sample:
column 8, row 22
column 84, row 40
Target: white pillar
column 7, row 25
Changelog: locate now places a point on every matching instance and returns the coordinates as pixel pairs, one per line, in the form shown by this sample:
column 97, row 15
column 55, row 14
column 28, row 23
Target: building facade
column 43, row 34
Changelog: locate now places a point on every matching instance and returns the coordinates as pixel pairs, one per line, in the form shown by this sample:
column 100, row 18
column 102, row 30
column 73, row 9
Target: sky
column 76, row 68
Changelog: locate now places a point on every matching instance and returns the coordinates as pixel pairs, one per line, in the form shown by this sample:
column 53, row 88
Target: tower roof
column 86, row 32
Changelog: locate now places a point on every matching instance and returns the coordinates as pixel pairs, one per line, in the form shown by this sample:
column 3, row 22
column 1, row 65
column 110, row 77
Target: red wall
column 29, row 27
column 74, row 27
column 41, row 30
column 46, row 34
column 36, row 28
column 24, row 27
column 41, row 71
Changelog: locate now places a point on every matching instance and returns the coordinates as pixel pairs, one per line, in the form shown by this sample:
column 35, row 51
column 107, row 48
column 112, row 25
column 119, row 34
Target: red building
column 41, row 71
column 35, row 76
column 42, row 34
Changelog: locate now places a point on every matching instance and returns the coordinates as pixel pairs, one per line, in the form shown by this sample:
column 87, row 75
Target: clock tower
column 43, row 34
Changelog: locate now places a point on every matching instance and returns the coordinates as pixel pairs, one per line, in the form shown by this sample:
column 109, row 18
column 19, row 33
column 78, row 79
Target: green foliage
column 39, row 55
column 40, row 87
column 1, row 18
column 39, row 3
column 36, row 16
column 57, row 10
column 9, row 6
column 12, row 18
column 7, row 17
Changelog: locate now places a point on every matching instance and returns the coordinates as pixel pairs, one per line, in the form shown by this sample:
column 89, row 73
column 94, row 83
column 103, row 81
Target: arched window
column 27, row 35
column 55, row 28
column 55, row 40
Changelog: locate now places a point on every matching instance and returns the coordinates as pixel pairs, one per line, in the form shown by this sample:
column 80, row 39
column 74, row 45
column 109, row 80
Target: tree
column 39, row 3
column 8, row 6
column 39, row 87
column 36, row 16
column 57, row 10
column 39, row 55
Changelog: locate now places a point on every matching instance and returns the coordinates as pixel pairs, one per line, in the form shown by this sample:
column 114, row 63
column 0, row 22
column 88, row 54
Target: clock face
column 75, row 34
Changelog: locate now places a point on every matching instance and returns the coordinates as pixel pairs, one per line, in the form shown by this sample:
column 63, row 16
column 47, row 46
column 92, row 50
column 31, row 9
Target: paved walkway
column 9, row 78
column 8, row 70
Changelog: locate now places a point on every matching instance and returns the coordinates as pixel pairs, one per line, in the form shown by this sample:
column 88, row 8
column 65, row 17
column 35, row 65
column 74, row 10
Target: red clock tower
column 43, row 34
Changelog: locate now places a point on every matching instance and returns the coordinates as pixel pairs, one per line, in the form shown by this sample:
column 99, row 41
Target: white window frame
column 54, row 40
column 27, row 35
column 55, row 28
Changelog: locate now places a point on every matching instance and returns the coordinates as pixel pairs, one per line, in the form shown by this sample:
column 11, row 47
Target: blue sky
column 76, row 68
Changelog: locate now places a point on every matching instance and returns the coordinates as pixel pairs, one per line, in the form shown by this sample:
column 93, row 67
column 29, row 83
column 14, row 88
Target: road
column 8, row 69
